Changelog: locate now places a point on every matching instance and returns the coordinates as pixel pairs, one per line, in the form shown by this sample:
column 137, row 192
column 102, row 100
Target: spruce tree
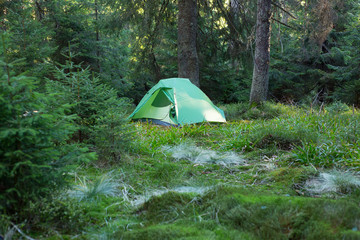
column 34, row 130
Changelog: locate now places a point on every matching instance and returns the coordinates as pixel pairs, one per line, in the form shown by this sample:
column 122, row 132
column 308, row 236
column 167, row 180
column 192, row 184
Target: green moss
column 167, row 207
column 254, row 201
column 280, row 217
column 350, row 235
column 164, row 172
column 288, row 176
column 181, row 231
column 167, row 232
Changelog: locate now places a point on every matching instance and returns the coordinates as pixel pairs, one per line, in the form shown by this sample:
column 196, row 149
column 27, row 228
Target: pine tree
column 34, row 131
column 188, row 62
column 100, row 114
column 260, row 82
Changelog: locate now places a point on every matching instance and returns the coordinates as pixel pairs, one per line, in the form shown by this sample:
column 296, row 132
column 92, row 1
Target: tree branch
column 283, row 23
column 227, row 17
column 278, row 6
column 19, row 231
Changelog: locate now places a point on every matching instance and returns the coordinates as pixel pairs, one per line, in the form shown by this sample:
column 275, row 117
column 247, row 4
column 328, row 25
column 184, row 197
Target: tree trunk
column 188, row 63
column 234, row 48
column 97, row 34
column 260, row 81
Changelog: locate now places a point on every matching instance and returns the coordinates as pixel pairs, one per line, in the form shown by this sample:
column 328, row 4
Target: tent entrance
column 159, row 106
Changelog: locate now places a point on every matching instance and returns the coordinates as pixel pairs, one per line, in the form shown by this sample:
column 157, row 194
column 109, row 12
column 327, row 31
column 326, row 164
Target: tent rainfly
column 176, row 101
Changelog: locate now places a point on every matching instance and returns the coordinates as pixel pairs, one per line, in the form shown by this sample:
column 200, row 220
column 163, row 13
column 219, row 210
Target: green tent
column 177, row 101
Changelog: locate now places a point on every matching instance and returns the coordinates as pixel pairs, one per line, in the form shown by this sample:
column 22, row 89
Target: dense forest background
column 72, row 70
column 130, row 45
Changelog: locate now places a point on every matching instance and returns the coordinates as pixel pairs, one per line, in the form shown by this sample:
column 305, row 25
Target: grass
column 197, row 155
column 268, row 173
column 85, row 189
column 333, row 182
column 226, row 211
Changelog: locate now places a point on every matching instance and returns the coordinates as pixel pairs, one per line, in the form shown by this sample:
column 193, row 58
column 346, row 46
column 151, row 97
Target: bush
column 56, row 214
column 337, row 107
column 33, row 150
column 112, row 133
column 100, row 114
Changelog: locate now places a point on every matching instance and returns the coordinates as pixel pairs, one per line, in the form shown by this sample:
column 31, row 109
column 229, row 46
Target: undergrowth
column 268, row 173
column 225, row 212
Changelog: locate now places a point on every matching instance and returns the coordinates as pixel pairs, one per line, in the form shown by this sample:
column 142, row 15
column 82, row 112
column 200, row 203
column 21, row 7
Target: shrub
column 112, row 133
column 100, row 114
column 5, row 228
column 56, row 214
column 337, row 107
column 33, row 150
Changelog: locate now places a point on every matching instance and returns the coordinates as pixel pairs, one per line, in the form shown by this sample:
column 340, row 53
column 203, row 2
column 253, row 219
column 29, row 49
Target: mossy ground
column 262, row 199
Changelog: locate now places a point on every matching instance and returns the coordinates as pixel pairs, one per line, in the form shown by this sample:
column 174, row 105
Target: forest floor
column 275, row 172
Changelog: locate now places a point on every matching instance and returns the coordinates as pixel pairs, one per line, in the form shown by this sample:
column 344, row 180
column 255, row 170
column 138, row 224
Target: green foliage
column 280, row 217
column 115, row 62
column 71, row 22
column 337, row 142
column 249, row 214
column 242, row 110
column 27, row 38
column 100, row 113
column 337, row 107
column 59, row 213
column 283, row 133
column 327, row 154
column 130, row 45
column 326, row 138
column 167, row 207
column 171, row 136
column 347, row 74
column 316, row 53
column 33, row 133
column 225, row 49
column 5, row 227
column 170, row 231
column 265, row 198
column 112, row 132
column 165, row 173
